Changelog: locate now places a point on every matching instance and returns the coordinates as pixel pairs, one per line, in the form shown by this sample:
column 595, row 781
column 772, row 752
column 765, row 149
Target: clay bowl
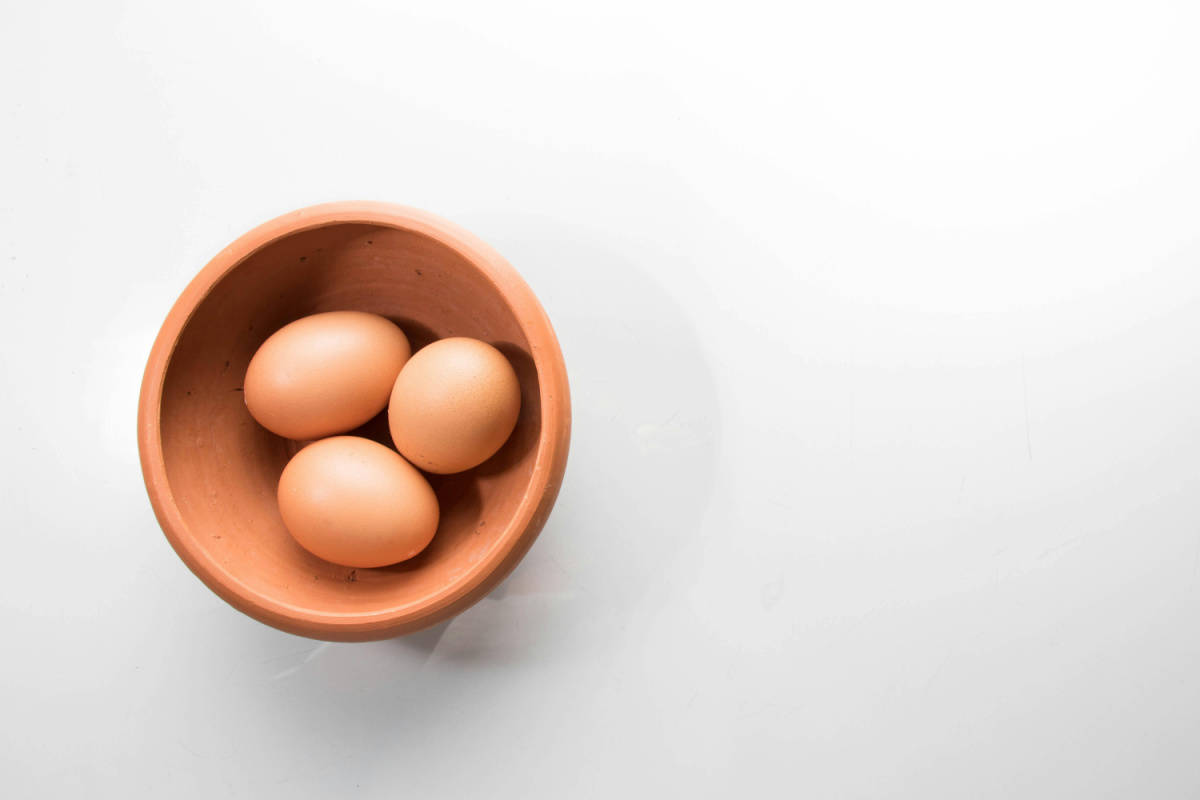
column 211, row 471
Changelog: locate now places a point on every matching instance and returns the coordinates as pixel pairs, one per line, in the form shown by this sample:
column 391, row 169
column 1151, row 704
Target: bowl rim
column 520, row 531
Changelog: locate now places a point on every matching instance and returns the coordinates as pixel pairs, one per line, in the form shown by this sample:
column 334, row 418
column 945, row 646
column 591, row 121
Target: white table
column 883, row 329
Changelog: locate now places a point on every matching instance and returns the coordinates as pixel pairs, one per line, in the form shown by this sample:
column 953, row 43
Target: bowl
column 211, row 471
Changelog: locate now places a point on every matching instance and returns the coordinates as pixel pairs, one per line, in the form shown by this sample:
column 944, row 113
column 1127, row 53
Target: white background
column 883, row 329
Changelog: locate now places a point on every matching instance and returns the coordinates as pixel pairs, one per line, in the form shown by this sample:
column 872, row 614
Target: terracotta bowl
column 211, row 471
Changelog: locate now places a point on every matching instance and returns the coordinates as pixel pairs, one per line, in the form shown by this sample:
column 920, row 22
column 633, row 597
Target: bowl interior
column 223, row 468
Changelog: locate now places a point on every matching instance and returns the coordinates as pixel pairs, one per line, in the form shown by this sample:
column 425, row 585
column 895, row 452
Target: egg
column 324, row 374
column 354, row 502
column 454, row 404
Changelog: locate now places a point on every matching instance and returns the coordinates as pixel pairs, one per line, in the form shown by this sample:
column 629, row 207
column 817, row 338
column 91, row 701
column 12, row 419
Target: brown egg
column 454, row 404
column 324, row 374
column 353, row 501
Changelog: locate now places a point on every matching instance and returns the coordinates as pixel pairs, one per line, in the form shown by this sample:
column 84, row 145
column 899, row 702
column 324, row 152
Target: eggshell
column 324, row 374
column 355, row 502
column 454, row 404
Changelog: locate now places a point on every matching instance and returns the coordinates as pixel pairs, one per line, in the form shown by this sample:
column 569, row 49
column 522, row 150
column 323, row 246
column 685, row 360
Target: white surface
column 883, row 328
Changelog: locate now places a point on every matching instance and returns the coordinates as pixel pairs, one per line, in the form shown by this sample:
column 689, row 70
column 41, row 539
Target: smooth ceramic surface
column 211, row 471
